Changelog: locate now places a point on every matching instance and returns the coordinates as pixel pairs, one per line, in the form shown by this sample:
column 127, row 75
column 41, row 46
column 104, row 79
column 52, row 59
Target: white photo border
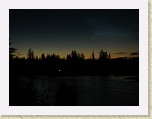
column 142, row 109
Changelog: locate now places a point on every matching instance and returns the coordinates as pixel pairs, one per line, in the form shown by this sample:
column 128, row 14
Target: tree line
column 74, row 55
column 74, row 63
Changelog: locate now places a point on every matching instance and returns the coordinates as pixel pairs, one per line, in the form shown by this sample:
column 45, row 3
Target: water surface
column 92, row 90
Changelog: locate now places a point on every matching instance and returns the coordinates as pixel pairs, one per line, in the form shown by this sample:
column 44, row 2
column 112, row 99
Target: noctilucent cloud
column 60, row 31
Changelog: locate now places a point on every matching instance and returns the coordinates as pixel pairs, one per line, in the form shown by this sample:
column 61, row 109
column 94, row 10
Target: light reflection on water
column 92, row 90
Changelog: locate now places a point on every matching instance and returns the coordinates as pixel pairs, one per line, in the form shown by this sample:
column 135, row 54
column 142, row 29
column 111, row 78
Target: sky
column 60, row 31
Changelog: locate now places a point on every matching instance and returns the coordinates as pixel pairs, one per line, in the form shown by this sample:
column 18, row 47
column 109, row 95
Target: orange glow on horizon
column 113, row 56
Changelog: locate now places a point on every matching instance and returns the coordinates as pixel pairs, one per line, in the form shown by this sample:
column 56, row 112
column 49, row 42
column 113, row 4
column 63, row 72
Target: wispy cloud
column 129, row 53
column 134, row 53
column 120, row 53
column 18, row 53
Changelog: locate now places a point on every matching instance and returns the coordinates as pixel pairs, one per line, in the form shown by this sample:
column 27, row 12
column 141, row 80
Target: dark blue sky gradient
column 61, row 31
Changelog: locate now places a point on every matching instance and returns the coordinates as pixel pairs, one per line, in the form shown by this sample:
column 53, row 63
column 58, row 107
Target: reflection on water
column 92, row 90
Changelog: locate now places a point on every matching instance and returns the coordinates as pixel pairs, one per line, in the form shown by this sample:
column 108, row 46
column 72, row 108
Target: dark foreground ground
column 22, row 93
column 76, row 67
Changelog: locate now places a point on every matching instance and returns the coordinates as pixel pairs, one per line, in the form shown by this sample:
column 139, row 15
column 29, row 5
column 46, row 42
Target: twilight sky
column 60, row 31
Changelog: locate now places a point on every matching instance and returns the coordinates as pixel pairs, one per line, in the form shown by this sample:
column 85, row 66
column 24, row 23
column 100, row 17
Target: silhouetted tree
column 74, row 55
column 11, row 50
column 30, row 54
column 42, row 56
column 36, row 57
column 54, row 57
column 23, row 58
column 68, row 57
column 63, row 58
column 109, row 56
column 78, row 56
column 93, row 55
column 58, row 56
column 48, row 56
column 103, row 55
column 82, row 56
